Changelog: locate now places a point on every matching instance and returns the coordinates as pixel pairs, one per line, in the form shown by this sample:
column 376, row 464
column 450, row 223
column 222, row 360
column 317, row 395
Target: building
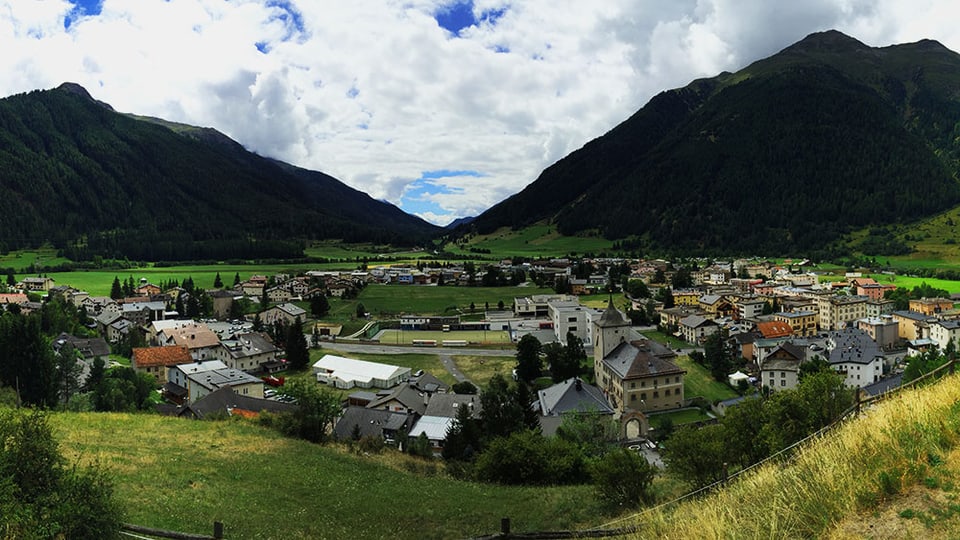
column 538, row 305
column 570, row 317
column 251, row 352
column 37, row 284
column 781, row 367
column 346, row 373
column 802, row 323
column 931, row 306
column 943, row 332
column 912, row 325
column 198, row 379
column 287, row 313
column 157, row 361
column 883, row 330
column 774, row 329
column 634, row 374
column 837, row 311
column 202, row 342
column 855, row 356
column 695, row 328
column 572, row 396
column 750, row 308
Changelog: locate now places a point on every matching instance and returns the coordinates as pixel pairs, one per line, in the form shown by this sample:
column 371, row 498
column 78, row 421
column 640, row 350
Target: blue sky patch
column 459, row 15
column 415, row 199
column 289, row 15
column 82, row 8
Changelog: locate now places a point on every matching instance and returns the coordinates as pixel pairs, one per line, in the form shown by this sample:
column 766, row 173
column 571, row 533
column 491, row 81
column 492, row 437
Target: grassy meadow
column 534, row 241
column 183, row 475
column 698, row 382
column 893, row 472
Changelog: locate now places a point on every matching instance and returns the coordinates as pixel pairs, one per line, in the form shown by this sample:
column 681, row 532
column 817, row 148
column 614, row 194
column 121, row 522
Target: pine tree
column 298, row 355
column 116, row 291
column 217, row 282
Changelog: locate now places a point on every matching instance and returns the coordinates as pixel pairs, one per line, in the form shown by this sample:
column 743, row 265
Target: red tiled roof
column 144, row 357
column 774, row 329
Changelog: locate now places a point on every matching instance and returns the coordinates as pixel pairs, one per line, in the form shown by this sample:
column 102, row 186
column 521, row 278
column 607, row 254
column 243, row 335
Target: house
column 403, row 399
column 931, row 306
column 435, row 429
column 780, row 369
column 447, row 405
column 89, row 348
column 248, row 352
column 346, row 373
column 202, row 342
column 944, row 332
column 883, row 330
column 222, row 302
column 202, row 378
column 774, row 329
column 97, row 305
column 716, row 305
column 225, row 402
column 538, row 305
column 279, row 293
column 836, row 311
column 13, row 298
column 634, row 374
column 570, row 317
column 802, row 323
column 695, row 328
column 147, row 289
column 141, row 313
column 37, row 284
column 157, row 361
column 360, row 422
column 287, row 313
column 856, row 356
column 113, row 327
column 912, row 325
column 572, row 396
column 686, row 297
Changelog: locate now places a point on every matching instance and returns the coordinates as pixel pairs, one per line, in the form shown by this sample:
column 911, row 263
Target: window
column 633, row 385
column 666, row 392
column 656, row 395
column 633, row 397
column 643, row 396
column 677, row 380
column 643, row 384
column 783, row 382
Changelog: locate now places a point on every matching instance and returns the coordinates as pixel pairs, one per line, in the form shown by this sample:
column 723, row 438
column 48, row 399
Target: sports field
column 471, row 337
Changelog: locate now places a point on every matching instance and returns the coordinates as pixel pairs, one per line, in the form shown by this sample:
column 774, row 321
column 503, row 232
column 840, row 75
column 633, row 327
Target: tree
column 298, row 355
column 665, row 296
column 319, row 306
column 923, row 363
column 529, row 363
column 40, row 495
column 236, row 279
column 682, row 279
column 11, row 279
column 814, row 365
column 116, row 290
column 361, row 311
column 527, row 458
column 500, row 412
column 97, row 371
column 718, row 357
column 68, row 369
column 637, row 289
column 594, row 433
column 463, row 441
column 570, row 359
column 217, row 282
column 623, row 478
column 316, row 411
column 696, row 455
column 464, row 387
column 742, row 427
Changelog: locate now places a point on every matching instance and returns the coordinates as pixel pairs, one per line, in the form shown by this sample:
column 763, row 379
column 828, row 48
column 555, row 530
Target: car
column 418, row 373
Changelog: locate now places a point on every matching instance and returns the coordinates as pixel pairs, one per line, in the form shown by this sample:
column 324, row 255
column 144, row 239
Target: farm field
column 183, row 475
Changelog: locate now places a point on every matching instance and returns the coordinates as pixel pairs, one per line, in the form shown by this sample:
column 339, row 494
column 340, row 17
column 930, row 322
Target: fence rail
column 785, row 453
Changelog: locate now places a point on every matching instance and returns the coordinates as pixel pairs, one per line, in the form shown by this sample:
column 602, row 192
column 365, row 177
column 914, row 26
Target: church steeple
column 610, row 330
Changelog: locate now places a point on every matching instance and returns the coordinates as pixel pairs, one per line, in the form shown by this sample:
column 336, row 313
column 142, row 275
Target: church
column 635, row 373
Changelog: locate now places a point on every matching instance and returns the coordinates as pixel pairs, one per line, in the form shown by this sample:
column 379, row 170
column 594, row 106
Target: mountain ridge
column 97, row 182
column 783, row 156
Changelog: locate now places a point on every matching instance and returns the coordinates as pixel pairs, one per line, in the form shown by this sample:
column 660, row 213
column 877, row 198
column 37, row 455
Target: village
column 774, row 319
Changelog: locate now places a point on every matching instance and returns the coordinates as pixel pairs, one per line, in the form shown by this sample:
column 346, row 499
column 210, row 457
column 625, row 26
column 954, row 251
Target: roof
column 193, row 336
column 348, row 369
column 435, row 427
column 226, row 401
column 852, row 345
column 410, row 398
column 636, row 359
column 428, row 383
column 913, row 315
column 219, row 378
column 612, row 316
column 448, row 404
column 696, row 321
column 88, row 347
column 249, row 344
column 790, row 350
column 773, row 329
column 572, row 395
column 884, row 385
column 371, row 422
column 291, row 309
column 144, row 357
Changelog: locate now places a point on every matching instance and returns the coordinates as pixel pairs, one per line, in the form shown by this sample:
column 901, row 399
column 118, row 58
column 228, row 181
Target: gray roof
column 249, row 344
column 224, row 400
column 884, row 385
column 572, row 395
column 637, row 359
column 612, row 317
column 852, row 345
column 219, row 378
column 372, row 422
column 696, row 321
column 781, row 364
column 428, row 383
column 88, row 347
column 408, row 396
column 913, row 315
column 448, row 404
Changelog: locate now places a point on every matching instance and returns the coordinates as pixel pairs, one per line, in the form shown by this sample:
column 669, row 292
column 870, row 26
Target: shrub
column 623, row 478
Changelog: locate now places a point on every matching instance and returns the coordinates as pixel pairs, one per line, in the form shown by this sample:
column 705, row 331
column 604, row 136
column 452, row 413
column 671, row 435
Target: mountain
column 785, row 155
column 460, row 221
column 96, row 182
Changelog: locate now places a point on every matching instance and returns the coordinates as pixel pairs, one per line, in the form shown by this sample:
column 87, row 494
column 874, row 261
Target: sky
column 442, row 107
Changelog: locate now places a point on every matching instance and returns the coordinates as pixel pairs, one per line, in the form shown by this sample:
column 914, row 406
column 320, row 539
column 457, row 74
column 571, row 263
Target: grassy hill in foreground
column 183, row 475
column 892, row 473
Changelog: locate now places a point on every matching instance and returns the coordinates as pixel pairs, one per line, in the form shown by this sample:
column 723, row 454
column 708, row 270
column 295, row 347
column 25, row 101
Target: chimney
column 579, row 384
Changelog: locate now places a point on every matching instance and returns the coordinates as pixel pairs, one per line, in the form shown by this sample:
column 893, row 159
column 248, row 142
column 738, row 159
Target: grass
column 858, row 481
column 670, row 341
column 538, row 240
column 406, row 337
column 183, row 475
column 682, row 416
column 479, row 369
column 393, row 300
column 699, row 382
column 19, row 260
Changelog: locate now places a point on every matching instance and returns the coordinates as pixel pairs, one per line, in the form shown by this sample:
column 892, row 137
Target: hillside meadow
column 892, row 472
column 183, row 475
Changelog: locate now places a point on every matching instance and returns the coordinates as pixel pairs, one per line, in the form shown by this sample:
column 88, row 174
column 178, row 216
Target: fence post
column 505, row 526
column 725, row 475
column 952, row 362
column 856, row 397
column 218, row 530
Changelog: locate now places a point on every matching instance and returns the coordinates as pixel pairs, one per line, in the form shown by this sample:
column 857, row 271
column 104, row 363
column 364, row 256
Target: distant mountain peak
column 78, row 90
column 828, row 41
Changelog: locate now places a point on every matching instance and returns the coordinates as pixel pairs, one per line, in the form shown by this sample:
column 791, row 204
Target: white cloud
column 374, row 92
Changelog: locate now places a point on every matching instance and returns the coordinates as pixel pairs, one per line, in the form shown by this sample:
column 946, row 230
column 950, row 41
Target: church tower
column 608, row 332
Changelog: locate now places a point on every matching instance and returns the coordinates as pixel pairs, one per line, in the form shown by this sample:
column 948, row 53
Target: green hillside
column 183, row 475
column 96, row 182
column 782, row 157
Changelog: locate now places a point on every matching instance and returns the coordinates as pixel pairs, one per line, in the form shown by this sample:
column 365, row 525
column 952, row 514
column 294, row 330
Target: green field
column 479, row 369
column 905, row 281
column 19, row 260
column 384, row 301
column 534, row 241
column 698, row 382
column 183, row 475
column 472, row 337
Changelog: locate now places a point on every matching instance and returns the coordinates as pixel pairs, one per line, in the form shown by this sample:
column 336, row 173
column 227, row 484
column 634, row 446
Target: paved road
column 451, row 366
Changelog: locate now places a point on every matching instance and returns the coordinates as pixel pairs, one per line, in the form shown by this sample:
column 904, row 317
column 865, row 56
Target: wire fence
column 608, row 529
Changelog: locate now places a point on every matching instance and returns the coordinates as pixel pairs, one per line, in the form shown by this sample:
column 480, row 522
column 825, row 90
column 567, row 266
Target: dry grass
column 859, row 469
